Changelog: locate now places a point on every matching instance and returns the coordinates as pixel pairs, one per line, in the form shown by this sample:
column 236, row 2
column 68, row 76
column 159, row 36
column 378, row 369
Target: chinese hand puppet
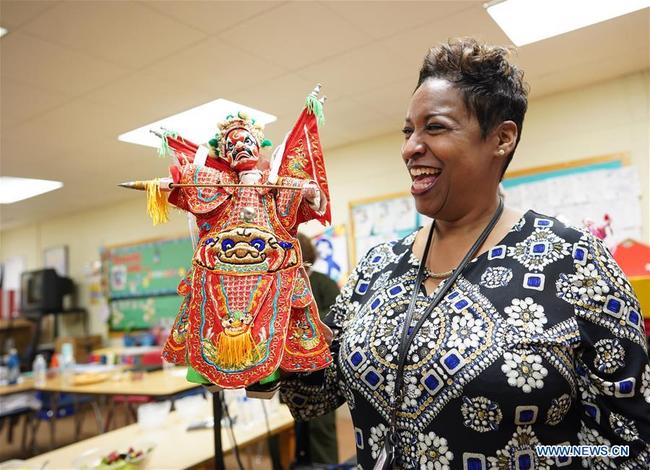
column 248, row 310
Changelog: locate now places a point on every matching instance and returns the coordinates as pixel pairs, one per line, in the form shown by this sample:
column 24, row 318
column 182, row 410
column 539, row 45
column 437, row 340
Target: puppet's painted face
column 242, row 150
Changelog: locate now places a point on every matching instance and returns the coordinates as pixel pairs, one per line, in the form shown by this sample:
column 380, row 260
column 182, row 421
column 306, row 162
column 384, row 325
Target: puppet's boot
column 175, row 350
column 306, row 348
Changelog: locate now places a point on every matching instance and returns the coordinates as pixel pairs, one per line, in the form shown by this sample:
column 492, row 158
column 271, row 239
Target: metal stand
column 217, row 413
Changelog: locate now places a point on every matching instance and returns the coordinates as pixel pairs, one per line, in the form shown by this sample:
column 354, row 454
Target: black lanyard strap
column 407, row 337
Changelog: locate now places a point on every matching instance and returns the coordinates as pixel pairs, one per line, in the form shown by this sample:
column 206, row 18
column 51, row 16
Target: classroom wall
column 604, row 118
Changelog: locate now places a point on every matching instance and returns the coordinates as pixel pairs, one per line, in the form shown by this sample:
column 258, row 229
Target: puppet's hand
column 310, row 192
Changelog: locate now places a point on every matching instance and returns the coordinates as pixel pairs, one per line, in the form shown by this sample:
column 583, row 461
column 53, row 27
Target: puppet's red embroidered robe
column 248, row 307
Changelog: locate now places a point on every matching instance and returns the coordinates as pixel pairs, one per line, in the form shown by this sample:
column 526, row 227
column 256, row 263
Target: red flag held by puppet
column 301, row 155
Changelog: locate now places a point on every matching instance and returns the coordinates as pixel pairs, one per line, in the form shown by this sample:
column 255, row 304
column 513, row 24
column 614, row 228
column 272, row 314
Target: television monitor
column 42, row 292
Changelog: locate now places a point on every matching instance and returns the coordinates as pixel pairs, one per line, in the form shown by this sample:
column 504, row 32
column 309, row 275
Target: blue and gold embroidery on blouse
column 539, row 342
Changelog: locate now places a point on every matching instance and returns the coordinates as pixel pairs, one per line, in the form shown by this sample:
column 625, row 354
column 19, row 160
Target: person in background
column 490, row 331
column 317, row 437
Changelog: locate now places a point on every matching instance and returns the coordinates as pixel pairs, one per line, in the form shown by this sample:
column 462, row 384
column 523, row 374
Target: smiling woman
column 483, row 335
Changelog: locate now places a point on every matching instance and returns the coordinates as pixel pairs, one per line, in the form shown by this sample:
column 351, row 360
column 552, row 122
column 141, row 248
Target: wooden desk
column 176, row 448
column 127, row 351
column 158, row 383
column 25, row 386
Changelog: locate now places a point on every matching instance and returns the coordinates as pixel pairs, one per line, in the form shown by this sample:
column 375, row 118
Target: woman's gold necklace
column 433, row 275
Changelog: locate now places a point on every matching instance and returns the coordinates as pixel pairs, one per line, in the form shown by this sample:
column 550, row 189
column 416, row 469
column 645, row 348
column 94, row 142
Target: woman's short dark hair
column 493, row 88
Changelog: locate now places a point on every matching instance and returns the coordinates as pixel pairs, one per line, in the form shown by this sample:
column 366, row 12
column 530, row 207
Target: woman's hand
column 327, row 333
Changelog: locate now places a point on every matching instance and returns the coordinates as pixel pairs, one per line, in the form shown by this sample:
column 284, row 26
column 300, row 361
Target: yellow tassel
column 235, row 352
column 156, row 203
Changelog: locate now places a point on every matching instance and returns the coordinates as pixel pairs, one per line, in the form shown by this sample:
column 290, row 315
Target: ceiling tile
column 390, row 101
column 212, row 17
column 21, row 101
column 582, row 74
column 357, row 71
column 217, row 67
column 60, row 132
column 474, row 22
column 296, row 34
column 47, row 66
column 347, row 121
column 622, row 36
column 19, row 158
column 67, row 200
column 381, row 19
column 279, row 96
column 149, row 96
column 126, row 33
column 14, row 13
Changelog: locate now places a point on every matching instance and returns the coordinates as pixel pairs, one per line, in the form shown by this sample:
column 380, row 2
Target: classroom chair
column 131, row 402
column 67, row 405
column 12, row 419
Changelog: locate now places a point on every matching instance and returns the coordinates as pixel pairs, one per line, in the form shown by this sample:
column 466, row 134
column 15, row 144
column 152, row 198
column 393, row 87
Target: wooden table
column 159, row 383
column 177, row 448
column 25, row 386
column 127, row 350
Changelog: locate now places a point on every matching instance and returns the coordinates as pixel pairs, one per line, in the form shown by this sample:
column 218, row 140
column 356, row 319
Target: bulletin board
column 380, row 219
column 332, row 252
column 583, row 190
column 573, row 192
column 140, row 281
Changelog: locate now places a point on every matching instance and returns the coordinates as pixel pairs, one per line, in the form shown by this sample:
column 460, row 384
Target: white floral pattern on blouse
column 539, row 341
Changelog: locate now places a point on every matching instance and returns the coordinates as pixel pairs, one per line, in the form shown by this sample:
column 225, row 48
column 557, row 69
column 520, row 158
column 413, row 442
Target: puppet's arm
column 295, row 207
column 197, row 200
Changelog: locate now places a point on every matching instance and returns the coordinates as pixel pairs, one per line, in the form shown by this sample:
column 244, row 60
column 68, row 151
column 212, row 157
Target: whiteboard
column 585, row 192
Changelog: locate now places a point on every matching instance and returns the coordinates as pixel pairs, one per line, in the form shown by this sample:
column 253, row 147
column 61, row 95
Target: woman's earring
column 501, row 152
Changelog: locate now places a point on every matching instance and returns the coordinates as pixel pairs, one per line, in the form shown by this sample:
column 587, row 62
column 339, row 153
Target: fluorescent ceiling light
column 2, row 31
column 16, row 189
column 527, row 21
column 198, row 124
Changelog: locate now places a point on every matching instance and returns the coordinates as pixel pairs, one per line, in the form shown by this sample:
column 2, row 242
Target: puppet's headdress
column 239, row 121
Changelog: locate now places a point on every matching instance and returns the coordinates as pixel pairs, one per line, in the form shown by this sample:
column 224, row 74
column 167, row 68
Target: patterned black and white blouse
column 539, row 342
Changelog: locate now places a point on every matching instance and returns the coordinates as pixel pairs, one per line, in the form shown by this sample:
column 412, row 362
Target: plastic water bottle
column 39, row 369
column 67, row 365
column 13, row 365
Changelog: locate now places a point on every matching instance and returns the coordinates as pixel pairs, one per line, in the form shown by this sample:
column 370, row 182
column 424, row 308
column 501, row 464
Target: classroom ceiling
column 76, row 74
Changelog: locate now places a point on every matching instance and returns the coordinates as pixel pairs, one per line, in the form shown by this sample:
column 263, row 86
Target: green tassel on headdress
column 164, row 148
column 266, row 143
column 315, row 107
column 214, row 143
